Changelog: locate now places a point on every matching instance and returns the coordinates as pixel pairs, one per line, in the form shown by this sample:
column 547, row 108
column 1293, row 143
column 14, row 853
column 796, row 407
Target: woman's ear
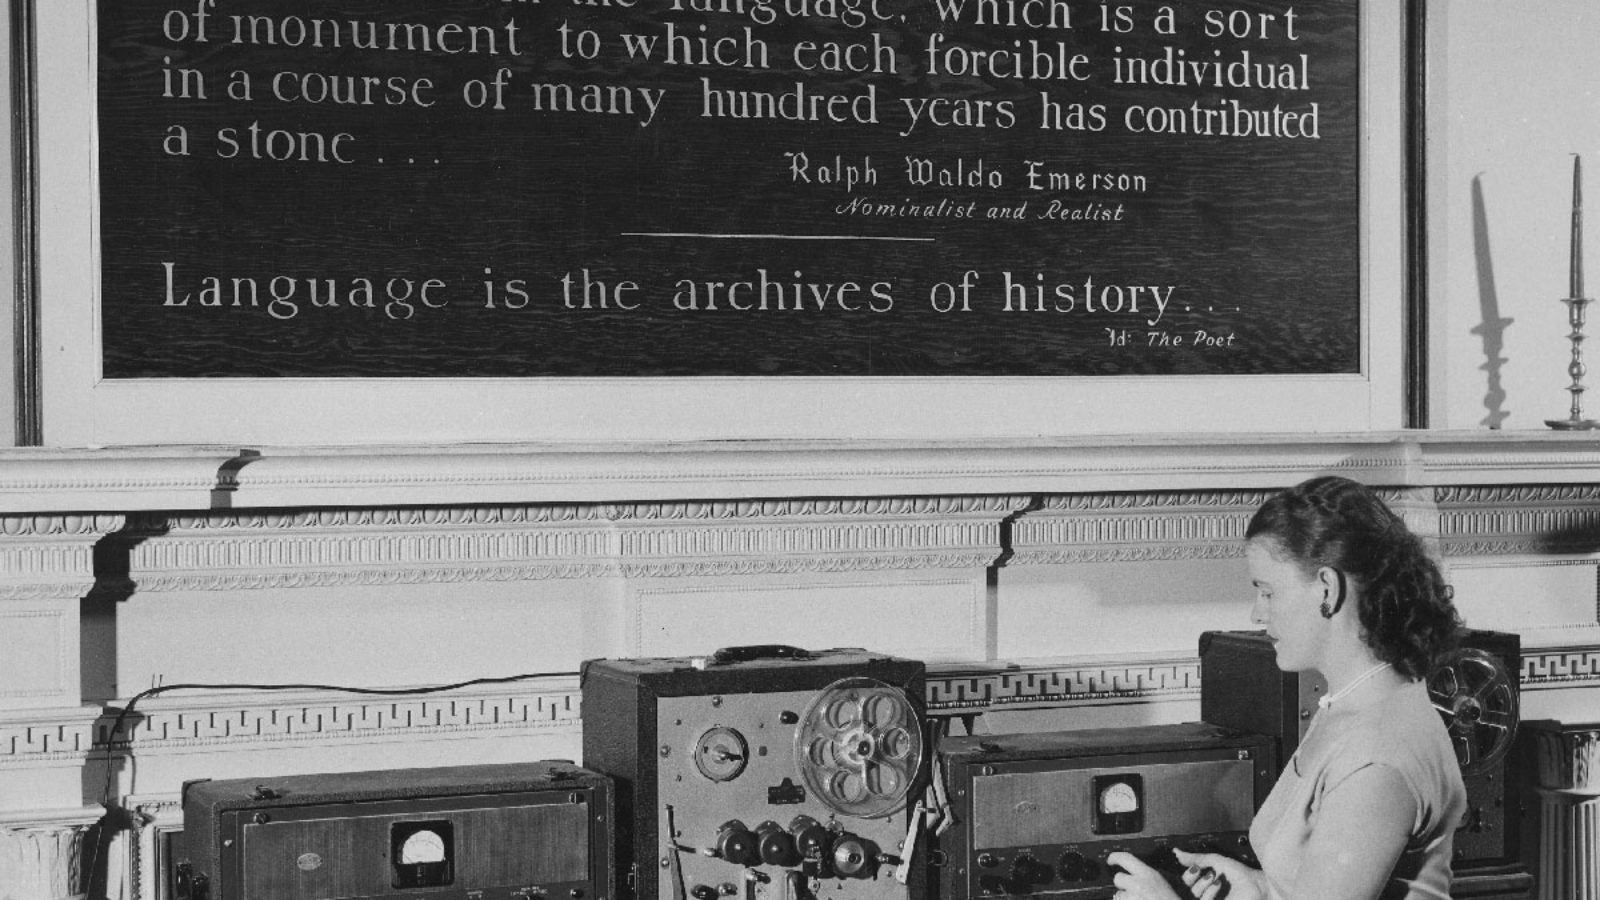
column 1328, row 579
column 1333, row 588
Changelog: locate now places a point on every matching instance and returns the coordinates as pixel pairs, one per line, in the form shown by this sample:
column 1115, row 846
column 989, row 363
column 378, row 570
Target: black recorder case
column 628, row 735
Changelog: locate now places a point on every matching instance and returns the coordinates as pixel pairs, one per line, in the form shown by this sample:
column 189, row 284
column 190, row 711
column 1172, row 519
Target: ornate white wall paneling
column 46, row 566
column 1055, row 577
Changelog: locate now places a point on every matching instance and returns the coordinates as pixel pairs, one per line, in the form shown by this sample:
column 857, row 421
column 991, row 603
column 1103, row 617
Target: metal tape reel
column 859, row 747
column 1477, row 698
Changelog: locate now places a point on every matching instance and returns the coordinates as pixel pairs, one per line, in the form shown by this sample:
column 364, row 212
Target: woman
column 1368, row 805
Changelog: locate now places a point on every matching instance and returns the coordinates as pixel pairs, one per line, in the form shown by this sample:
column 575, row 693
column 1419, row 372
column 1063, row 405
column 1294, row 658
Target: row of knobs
column 805, row 839
column 1072, row 866
column 1025, row 870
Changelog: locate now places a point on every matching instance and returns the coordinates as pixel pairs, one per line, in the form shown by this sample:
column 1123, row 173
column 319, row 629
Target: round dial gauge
column 1119, row 797
column 721, row 754
column 422, row 847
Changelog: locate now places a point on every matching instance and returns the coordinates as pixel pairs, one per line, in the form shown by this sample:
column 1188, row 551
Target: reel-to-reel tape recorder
column 761, row 772
column 775, row 773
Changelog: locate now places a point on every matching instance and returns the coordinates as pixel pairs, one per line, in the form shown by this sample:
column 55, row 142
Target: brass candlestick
column 1575, row 368
column 1575, row 302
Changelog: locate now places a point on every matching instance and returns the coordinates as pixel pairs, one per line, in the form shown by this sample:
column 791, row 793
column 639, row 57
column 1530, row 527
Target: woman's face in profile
column 1287, row 605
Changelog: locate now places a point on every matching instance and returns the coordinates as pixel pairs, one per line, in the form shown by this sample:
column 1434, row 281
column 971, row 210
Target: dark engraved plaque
column 507, row 188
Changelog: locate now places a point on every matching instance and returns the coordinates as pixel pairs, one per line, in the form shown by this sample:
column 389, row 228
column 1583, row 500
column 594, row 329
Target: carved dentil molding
column 1561, row 667
column 1125, row 527
column 699, row 512
column 274, row 718
column 41, row 736
column 50, row 557
column 1517, row 494
column 43, row 743
column 222, row 551
column 1159, row 526
column 1520, row 519
column 177, row 722
column 955, row 689
column 252, row 550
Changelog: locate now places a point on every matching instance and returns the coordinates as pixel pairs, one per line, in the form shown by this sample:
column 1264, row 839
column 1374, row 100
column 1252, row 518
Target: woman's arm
column 1362, row 827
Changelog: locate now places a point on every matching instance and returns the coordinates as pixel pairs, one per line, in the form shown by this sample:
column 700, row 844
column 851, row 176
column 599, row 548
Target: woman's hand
column 1212, row 876
column 1137, row 881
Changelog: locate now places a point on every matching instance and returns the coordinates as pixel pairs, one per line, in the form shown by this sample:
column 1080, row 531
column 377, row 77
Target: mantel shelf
column 194, row 477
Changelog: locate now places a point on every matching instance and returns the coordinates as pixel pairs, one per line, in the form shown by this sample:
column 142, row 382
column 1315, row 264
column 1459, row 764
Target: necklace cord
column 1325, row 702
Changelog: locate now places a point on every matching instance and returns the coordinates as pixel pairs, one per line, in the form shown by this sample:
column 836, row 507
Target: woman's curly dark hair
column 1405, row 607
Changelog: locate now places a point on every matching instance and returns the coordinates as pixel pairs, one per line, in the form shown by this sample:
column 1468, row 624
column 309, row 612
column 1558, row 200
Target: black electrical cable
column 127, row 710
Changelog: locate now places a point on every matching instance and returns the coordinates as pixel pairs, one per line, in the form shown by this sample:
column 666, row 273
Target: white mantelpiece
column 191, row 478
column 1066, row 579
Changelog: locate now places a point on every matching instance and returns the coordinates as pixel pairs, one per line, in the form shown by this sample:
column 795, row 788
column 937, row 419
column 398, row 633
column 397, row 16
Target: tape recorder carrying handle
column 753, row 652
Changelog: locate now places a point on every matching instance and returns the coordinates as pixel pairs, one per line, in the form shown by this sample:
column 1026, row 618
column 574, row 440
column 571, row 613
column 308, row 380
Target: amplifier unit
column 760, row 772
column 524, row 831
column 1475, row 690
column 1039, row 813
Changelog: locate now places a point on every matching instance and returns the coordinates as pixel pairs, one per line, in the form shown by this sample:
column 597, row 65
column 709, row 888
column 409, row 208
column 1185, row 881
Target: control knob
column 1073, row 866
column 775, row 846
column 851, row 856
column 810, row 838
column 1027, row 871
column 736, row 844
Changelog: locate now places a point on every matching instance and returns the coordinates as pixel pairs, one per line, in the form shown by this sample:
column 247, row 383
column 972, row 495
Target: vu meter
column 1119, row 803
column 766, row 773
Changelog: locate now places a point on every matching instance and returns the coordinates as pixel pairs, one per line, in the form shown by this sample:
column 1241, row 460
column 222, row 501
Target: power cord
column 128, row 709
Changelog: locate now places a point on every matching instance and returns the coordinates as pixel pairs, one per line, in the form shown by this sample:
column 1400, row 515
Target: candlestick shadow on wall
column 1492, row 329
column 1576, row 303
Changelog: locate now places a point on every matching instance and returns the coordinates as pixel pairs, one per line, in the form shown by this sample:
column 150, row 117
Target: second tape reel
column 761, row 772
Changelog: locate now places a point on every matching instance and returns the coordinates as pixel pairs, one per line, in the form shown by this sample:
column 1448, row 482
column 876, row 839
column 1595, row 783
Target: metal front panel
column 526, row 844
column 332, row 854
column 692, row 804
column 699, row 805
column 1015, row 809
